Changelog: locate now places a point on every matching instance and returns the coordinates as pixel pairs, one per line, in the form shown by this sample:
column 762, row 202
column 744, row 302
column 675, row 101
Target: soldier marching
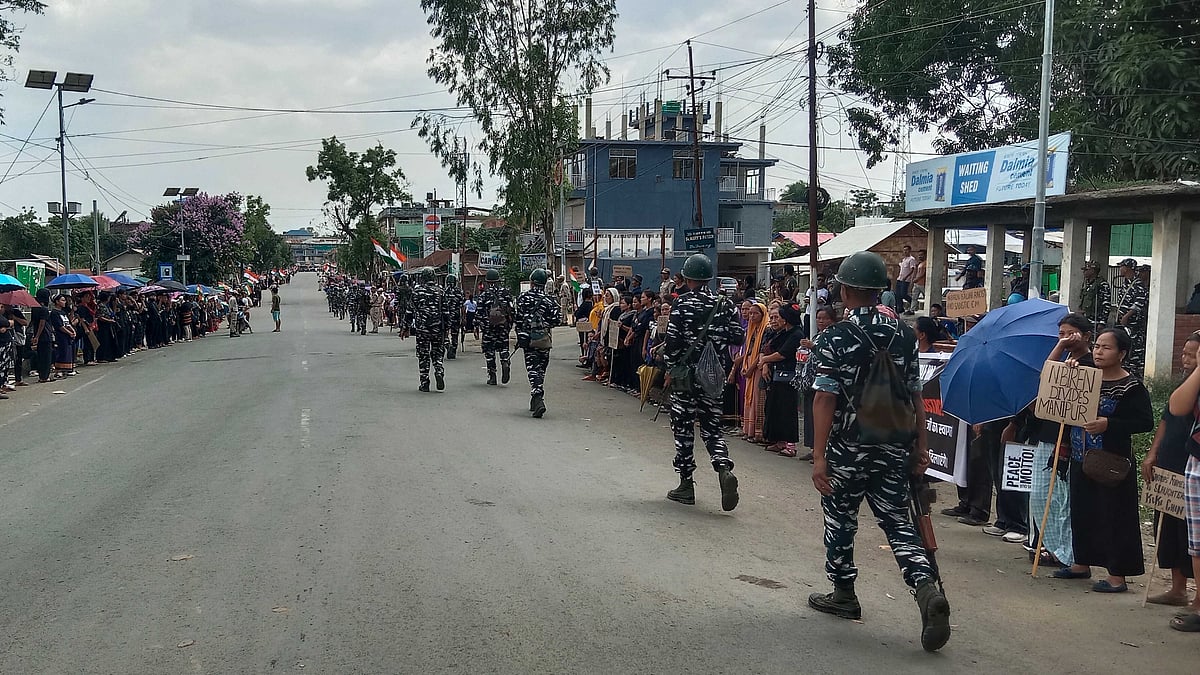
column 429, row 321
column 496, row 309
column 536, row 314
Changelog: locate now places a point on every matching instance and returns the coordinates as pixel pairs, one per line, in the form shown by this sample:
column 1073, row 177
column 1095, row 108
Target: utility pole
column 96, row 234
column 813, row 230
column 697, row 156
column 1038, row 248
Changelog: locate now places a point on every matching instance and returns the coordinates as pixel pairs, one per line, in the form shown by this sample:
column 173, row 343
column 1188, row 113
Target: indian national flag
column 388, row 254
column 577, row 279
column 398, row 255
column 251, row 276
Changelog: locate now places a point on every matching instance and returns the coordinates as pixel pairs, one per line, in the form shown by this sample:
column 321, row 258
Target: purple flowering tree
column 213, row 229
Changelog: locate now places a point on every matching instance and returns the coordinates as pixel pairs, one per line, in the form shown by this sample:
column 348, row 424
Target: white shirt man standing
column 908, row 267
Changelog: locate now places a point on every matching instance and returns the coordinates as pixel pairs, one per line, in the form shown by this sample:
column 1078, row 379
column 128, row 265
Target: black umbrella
column 171, row 285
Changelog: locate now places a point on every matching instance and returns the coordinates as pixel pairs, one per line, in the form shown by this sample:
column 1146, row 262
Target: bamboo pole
column 1037, row 549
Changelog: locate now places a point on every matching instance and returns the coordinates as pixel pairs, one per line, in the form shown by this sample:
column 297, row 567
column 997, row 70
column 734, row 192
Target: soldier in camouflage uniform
column 689, row 315
column 362, row 308
column 496, row 311
column 403, row 304
column 845, row 471
column 454, row 303
column 429, row 325
column 1132, row 313
column 537, row 313
column 1095, row 298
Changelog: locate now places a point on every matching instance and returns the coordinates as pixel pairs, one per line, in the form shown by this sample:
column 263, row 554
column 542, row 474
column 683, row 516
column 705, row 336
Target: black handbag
column 1106, row 468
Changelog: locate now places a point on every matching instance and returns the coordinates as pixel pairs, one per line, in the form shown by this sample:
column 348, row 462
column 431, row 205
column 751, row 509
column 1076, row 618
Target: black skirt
column 781, row 422
column 1172, row 548
column 1105, row 524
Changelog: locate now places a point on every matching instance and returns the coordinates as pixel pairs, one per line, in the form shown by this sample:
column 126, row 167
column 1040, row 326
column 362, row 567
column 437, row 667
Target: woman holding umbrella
column 1104, row 518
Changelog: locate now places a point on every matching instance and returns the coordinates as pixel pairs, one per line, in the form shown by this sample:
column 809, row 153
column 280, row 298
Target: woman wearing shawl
column 752, row 397
column 781, row 424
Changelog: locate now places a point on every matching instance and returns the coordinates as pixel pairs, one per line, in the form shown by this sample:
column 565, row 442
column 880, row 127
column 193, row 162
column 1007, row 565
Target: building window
column 622, row 163
column 684, row 165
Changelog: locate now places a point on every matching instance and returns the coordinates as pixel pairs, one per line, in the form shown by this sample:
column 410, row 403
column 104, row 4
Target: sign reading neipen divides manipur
column 986, row 177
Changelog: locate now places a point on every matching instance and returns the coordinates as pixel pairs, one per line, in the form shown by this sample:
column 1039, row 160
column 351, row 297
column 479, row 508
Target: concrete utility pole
column 697, row 156
column 1038, row 251
column 813, row 229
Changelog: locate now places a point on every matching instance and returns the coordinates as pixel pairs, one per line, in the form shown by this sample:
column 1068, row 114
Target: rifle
column 920, row 496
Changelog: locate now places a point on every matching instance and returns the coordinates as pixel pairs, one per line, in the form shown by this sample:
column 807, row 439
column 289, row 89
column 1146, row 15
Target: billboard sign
column 627, row 243
column 700, row 238
column 32, row 274
column 986, row 177
column 433, row 228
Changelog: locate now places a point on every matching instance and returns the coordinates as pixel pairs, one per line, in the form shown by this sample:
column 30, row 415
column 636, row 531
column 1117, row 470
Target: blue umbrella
column 10, row 283
column 67, row 281
column 198, row 289
column 995, row 369
column 125, row 279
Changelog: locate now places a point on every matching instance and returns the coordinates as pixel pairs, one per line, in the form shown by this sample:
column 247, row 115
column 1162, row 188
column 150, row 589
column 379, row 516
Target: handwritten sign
column 1165, row 493
column 622, row 271
column 1017, row 468
column 966, row 303
column 1068, row 395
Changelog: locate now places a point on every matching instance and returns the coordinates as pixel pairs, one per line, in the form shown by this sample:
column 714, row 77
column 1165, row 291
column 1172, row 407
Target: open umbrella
column 152, row 288
column 124, row 279
column 107, row 283
column 171, row 285
column 10, row 283
column 21, row 298
column 67, row 281
column 995, row 369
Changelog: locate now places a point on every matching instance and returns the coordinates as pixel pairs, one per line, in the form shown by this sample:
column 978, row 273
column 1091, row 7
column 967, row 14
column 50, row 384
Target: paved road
column 288, row 502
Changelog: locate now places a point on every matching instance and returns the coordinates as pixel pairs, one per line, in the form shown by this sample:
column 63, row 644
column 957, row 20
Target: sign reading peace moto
column 1069, row 395
column 1165, row 493
column 966, row 303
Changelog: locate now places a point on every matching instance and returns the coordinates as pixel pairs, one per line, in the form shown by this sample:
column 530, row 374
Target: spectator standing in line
column 665, row 285
column 41, row 336
column 64, row 337
column 275, row 310
column 1183, row 401
column 904, row 279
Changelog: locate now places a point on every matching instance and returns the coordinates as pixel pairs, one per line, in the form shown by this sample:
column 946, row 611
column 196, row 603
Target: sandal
column 1103, row 586
column 788, row 450
column 1187, row 624
column 1168, row 599
column 1066, row 573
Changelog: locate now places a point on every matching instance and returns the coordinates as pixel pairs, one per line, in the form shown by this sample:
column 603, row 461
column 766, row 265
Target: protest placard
column 966, row 303
column 1165, row 493
column 1069, row 395
column 622, row 271
column 1017, row 468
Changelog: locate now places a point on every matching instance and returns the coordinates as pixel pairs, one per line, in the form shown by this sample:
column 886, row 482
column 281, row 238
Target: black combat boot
column 450, row 353
column 538, row 406
column 441, row 383
column 685, row 493
column 841, row 602
column 504, row 372
column 729, row 493
column 935, row 616
column 491, row 377
column 424, row 387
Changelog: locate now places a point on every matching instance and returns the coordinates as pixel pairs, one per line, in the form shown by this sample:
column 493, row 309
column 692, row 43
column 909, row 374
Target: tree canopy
column 213, row 228
column 265, row 249
column 1126, row 79
column 357, row 182
column 10, row 33
column 507, row 61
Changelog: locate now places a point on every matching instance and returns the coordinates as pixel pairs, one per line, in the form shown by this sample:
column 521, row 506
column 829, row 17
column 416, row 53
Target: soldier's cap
column 1128, row 262
column 666, row 271
column 1091, row 265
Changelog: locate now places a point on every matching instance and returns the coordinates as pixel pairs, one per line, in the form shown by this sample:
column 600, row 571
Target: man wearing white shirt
column 908, row 267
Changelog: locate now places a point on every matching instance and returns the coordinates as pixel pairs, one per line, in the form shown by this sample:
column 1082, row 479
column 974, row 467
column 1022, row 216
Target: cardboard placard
column 966, row 303
column 1070, row 395
column 1017, row 468
column 622, row 271
column 1165, row 493
column 662, row 324
column 947, row 435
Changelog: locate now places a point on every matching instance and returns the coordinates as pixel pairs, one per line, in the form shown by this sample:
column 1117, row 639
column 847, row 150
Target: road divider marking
column 305, row 414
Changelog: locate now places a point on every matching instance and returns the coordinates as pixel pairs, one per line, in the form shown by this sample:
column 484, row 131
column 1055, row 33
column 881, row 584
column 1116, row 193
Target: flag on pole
column 251, row 276
column 389, row 254
column 398, row 255
column 577, row 279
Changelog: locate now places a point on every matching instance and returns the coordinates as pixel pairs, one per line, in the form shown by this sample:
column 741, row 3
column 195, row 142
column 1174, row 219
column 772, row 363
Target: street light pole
column 62, row 166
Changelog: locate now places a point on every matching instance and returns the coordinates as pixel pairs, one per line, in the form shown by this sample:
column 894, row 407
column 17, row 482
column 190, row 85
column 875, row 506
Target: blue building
column 634, row 199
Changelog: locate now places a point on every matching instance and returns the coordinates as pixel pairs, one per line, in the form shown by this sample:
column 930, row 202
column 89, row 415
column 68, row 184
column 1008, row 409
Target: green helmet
column 538, row 277
column 451, row 280
column 863, row 270
column 427, row 274
column 493, row 275
column 697, row 268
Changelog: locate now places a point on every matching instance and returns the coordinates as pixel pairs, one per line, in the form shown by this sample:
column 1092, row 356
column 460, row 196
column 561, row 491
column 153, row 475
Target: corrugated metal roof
column 859, row 238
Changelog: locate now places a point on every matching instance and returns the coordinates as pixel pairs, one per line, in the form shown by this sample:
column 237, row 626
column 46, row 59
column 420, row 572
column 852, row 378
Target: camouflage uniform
column 495, row 338
column 362, row 310
column 429, row 325
column 1095, row 300
column 454, row 302
column 403, row 307
column 878, row 473
column 688, row 315
column 531, row 304
column 1136, row 299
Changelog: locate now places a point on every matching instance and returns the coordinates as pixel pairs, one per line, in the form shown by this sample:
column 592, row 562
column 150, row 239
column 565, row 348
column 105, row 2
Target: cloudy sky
column 350, row 55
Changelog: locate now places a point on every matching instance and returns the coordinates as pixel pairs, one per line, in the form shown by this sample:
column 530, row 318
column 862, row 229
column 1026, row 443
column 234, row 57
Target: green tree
column 265, row 248
column 10, row 33
column 23, row 235
column 357, row 182
column 797, row 193
column 507, row 60
column 1124, row 80
column 357, row 257
column 863, row 200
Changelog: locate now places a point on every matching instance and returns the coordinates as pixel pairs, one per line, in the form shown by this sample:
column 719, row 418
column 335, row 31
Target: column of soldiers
column 430, row 320
column 454, row 308
column 1132, row 308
